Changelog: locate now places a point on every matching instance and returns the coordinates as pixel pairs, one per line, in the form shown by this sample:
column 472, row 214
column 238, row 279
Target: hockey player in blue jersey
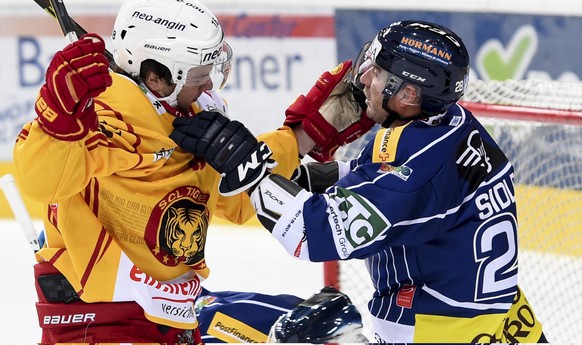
column 429, row 203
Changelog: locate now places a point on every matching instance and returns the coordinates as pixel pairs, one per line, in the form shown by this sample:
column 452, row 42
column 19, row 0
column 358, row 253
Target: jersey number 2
column 495, row 249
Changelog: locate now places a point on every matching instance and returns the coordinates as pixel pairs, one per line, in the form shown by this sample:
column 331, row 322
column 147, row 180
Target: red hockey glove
column 329, row 113
column 74, row 77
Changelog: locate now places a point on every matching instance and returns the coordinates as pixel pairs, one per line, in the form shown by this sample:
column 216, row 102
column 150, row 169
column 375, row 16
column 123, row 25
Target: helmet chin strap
column 168, row 103
column 393, row 116
column 172, row 99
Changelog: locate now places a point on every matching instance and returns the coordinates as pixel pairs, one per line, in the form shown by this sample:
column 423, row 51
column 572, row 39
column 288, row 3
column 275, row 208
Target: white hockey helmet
column 179, row 34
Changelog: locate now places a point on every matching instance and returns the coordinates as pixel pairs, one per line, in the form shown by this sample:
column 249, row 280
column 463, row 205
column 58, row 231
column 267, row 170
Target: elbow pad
column 270, row 198
column 317, row 177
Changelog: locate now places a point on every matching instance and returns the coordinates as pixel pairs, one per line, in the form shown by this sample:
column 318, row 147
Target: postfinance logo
column 231, row 330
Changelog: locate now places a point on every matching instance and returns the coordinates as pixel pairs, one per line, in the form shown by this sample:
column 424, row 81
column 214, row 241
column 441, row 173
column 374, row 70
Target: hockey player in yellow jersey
column 127, row 210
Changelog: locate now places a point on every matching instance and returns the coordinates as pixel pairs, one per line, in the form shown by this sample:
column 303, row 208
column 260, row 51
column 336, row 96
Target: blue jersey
column 430, row 207
column 240, row 317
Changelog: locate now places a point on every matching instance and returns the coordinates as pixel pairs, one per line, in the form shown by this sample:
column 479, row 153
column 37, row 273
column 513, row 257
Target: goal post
column 538, row 124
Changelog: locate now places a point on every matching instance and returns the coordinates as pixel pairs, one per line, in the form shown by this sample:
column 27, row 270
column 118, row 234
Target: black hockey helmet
column 426, row 55
column 326, row 317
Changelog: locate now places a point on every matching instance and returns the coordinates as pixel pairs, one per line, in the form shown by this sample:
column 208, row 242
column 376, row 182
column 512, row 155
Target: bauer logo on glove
column 74, row 77
column 329, row 113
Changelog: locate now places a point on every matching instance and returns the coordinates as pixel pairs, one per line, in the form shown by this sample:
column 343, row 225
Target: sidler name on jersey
column 496, row 198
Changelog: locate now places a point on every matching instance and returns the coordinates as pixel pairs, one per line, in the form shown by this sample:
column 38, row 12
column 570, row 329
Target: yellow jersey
column 127, row 210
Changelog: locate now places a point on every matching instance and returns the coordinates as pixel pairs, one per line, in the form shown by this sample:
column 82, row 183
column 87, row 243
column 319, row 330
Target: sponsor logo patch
column 355, row 222
column 386, row 144
column 405, row 296
column 170, row 25
column 163, row 154
column 402, row 172
column 68, row 319
column 231, row 330
column 476, row 158
column 425, row 50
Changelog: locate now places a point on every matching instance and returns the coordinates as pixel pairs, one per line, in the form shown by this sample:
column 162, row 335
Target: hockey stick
column 71, row 29
column 8, row 185
column 65, row 21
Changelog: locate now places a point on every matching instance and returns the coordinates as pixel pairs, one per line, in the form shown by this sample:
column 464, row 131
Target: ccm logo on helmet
column 413, row 76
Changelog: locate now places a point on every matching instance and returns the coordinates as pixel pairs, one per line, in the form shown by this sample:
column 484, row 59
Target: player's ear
column 409, row 94
column 154, row 82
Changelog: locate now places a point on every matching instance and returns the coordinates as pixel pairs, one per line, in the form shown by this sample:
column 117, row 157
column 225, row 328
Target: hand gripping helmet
column 423, row 54
column 179, row 34
column 326, row 317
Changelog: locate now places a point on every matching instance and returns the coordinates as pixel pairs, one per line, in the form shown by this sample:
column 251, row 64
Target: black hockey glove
column 228, row 146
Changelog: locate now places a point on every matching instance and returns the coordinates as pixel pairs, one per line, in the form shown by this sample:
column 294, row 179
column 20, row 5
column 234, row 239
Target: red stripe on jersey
column 100, row 245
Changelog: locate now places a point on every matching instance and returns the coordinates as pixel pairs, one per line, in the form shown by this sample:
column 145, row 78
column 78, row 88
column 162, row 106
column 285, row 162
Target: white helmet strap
column 172, row 99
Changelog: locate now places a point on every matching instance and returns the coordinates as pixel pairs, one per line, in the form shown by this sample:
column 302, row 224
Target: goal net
column 538, row 124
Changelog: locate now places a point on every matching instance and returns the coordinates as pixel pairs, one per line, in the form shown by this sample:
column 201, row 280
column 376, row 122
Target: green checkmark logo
column 496, row 62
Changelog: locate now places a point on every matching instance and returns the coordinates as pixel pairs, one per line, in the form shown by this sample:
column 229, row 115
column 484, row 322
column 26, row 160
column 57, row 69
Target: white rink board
column 241, row 258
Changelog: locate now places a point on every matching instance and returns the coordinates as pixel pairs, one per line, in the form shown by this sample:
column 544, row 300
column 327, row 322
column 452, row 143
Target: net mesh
column 544, row 94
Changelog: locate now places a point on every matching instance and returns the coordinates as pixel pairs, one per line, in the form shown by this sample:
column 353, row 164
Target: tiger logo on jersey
column 177, row 228
column 183, row 233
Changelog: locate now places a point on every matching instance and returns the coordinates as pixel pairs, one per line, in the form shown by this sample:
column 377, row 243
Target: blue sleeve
column 379, row 203
column 235, row 317
column 409, row 185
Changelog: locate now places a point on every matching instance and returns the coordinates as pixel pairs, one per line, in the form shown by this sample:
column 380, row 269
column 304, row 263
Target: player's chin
column 375, row 115
column 185, row 103
column 189, row 95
